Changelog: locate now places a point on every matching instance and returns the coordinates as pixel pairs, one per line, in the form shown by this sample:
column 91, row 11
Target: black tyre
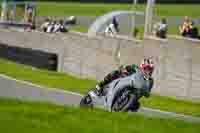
column 123, row 101
column 135, row 106
column 86, row 101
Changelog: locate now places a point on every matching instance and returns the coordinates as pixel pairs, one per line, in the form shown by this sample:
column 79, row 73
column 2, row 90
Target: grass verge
column 96, row 9
column 44, row 77
column 67, row 82
column 22, row 117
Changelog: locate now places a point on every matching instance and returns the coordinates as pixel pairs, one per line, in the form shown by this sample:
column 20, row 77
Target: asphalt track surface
column 12, row 88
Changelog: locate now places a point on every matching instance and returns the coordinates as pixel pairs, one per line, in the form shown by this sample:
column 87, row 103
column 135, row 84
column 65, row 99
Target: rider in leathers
column 145, row 68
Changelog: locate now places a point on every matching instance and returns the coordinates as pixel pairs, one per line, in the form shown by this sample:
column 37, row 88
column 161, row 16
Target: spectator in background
column 57, row 27
column 113, row 28
column 186, row 28
column 45, row 25
column 194, row 31
column 160, row 29
column 116, row 24
column 29, row 18
column 29, row 15
column 50, row 27
column 62, row 26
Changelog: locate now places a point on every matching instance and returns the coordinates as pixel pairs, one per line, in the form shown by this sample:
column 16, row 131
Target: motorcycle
column 122, row 94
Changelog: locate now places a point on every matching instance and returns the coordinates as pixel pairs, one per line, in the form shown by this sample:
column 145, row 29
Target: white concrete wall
column 177, row 59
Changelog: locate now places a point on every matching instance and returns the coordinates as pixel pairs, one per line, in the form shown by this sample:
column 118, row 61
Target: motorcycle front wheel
column 86, row 101
column 124, row 101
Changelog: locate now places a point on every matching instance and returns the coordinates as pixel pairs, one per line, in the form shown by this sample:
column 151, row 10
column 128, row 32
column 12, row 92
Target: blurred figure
column 116, row 24
column 194, row 31
column 29, row 15
column 62, row 26
column 113, row 28
column 186, row 28
column 45, row 25
column 57, row 27
column 29, row 18
column 50, row 27
column 161, row 28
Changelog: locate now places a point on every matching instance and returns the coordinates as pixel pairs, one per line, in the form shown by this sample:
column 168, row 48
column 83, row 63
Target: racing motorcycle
column 122, row 94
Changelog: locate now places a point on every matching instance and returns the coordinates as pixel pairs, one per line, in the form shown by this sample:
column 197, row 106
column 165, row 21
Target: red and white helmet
column 147, row 67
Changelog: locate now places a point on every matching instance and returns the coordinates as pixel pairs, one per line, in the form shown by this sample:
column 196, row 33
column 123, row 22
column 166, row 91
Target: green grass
column 96, row 9
column 31, row 117
column 67, row 82
column 46, row 78
column 19, row 13
column 171, row 104
column 78, row 9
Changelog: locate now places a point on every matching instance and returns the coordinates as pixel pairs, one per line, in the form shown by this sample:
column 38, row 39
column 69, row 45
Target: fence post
column 148, row 17
column 4, row 11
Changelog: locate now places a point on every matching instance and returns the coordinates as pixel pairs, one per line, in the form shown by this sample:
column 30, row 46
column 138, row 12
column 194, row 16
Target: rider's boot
column 99, row 90
column 101, row 85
